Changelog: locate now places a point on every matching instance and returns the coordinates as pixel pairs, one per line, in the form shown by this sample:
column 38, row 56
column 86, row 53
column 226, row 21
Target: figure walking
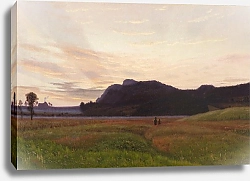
column 159, row 121
column 155, row 121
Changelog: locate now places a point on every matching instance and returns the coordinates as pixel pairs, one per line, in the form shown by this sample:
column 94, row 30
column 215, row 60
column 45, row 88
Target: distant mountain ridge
column 148, row 98
column 131, row 92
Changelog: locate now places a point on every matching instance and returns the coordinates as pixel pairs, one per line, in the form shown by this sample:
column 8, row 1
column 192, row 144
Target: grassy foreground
column 74, row 143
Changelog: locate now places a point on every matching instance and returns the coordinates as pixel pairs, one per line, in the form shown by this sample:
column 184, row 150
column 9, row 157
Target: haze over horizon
column 71, row 52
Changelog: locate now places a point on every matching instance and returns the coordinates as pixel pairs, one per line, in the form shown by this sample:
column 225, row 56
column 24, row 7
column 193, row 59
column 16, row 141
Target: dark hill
column 203, row 89
column 134, row 94
column 148, row 98
column 230, row 96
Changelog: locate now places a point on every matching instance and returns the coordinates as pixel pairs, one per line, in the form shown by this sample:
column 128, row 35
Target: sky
column 69, row 53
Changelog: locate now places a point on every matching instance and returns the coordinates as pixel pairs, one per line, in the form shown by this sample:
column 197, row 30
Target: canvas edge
column 14, row 84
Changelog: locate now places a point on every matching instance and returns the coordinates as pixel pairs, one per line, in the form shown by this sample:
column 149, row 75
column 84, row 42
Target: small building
column 43, row 105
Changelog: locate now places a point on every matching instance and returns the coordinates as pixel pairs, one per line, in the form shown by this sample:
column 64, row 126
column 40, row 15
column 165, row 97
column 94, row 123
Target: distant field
column 74, row 143
column 235, row 113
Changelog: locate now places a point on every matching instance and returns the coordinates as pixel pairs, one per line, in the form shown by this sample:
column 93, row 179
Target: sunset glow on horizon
column 71, row 52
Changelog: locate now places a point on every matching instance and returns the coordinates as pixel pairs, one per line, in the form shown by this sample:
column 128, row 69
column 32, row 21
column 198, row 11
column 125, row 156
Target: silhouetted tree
column 20, row 103
column 14, row 103
column 31, row 98
column 82, row 106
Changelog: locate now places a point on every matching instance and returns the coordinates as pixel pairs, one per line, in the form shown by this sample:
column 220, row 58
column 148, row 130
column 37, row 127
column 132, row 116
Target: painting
column 118, row 85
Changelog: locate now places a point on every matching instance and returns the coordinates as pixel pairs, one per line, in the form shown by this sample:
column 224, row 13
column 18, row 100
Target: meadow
column 215, row 138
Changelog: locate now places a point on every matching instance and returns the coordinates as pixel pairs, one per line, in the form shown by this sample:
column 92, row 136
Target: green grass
column 46, row 154
column 202, row 145
column 52, row 144
column 236, row 113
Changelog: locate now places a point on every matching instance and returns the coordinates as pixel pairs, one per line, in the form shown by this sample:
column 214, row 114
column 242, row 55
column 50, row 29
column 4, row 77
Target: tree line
column 31, row 101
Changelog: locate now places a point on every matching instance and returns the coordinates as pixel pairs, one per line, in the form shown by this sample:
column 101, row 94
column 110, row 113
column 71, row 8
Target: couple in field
column 155, row 121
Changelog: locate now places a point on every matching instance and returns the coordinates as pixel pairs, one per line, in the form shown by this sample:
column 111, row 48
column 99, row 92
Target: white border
column 8, row 172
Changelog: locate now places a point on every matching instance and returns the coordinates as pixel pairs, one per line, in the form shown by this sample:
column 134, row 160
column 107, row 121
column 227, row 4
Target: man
column 155, row 121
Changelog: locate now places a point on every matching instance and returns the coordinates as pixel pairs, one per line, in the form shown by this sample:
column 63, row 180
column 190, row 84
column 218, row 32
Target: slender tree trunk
column 21, row 111
column 31, row 113
column 14, row 98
